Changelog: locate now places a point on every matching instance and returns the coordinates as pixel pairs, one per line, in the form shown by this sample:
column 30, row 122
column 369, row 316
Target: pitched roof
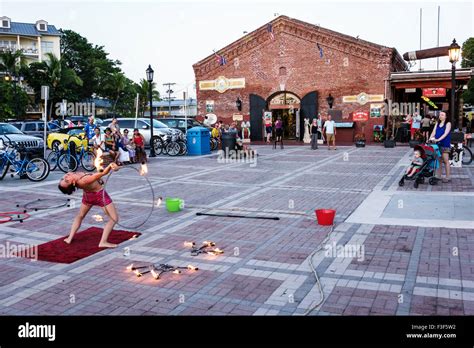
column 282, row 22
column 28, row 29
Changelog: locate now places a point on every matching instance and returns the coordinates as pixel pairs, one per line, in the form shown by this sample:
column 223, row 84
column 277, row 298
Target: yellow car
column 57, row 138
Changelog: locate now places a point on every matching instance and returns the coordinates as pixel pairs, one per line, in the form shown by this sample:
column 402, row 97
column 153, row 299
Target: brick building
column 293, row 68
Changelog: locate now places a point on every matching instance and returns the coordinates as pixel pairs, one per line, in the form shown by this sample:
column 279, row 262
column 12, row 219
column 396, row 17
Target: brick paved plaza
column 418, row 245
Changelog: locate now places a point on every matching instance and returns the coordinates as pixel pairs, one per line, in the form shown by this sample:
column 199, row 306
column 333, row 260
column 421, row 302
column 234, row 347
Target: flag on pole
column 270, row 31
column 220, row 59
column 320, row 50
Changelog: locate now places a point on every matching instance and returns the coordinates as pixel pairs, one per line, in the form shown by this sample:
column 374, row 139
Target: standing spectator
column 415, row 125
column 89, row 130
column 330, row 129
column 425, row 127
column 233, row 128
column 114, row 127
column 268, row 127
column 320, row 127
column 314, row 134
column 278, row 132
column 442, row 136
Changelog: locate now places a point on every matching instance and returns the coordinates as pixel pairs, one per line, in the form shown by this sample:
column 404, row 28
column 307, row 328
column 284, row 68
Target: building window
column 42, row 27
column 5, row 22
column 47, row 47
column 282, row 71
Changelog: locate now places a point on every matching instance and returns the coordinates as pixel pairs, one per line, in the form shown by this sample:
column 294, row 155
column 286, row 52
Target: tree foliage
column 468, row 62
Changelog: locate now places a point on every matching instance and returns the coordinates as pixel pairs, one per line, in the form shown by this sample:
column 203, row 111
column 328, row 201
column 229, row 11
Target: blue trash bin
column 198, row 141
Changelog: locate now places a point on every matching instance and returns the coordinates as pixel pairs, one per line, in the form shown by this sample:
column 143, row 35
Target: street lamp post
column 454, row 50
column 149, row 78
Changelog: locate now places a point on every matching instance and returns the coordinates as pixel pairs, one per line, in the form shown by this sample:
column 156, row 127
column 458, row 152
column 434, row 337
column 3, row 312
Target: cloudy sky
column 173, row 35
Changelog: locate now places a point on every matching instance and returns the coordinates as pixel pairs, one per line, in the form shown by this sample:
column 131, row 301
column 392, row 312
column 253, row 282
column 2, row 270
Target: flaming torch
column 98, row 160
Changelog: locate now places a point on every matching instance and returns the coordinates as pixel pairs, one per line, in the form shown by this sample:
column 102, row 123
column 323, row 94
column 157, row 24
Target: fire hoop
column 38, row 204
column 5, row 218
column 15, row 215
column 150, row 212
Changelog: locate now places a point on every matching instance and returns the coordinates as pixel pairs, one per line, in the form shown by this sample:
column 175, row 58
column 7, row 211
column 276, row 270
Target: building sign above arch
column 363, row 98
column 222, row 84
column 285, row 100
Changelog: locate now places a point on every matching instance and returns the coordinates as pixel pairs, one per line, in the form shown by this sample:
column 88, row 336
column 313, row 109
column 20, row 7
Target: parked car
column 143, row 124
column 33, row 145
column 179, row 123
column 77, row 119
column 34, row 128
column 57, row 138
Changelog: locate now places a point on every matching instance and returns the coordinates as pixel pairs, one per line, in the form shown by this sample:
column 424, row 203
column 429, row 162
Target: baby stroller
column 430, row 155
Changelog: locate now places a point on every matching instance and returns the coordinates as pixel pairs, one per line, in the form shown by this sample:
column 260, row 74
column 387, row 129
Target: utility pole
column 169, row 91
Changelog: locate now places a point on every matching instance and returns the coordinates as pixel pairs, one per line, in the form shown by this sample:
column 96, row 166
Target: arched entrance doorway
column 286, row 105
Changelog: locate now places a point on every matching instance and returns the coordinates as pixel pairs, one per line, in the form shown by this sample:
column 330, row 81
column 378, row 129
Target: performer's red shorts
column 100, row 198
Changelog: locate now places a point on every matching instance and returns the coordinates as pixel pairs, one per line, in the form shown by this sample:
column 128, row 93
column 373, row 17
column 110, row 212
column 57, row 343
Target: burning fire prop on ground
column 157, row 270
column 206, row 248
column 143, row 169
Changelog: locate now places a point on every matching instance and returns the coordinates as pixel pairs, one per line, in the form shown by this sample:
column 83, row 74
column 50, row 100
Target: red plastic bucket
column 325, row 217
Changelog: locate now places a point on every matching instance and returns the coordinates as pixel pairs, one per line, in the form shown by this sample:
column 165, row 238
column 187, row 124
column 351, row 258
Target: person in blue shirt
column 441, row 135
column 89, row 129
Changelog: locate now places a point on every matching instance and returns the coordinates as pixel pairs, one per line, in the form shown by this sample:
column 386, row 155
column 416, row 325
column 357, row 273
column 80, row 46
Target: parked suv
column 175, row 122
column 143, row 124
column 32, row 145
column 34, row 128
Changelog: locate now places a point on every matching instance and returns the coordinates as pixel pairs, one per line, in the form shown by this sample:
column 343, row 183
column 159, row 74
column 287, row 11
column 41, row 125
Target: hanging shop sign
column 360, row 116
column 410, row 90
column 209, row 106
column 376, row 110
column 363, row 98
column 237, row 117
column 429, row 102
column 222, row 84
column 434, row 92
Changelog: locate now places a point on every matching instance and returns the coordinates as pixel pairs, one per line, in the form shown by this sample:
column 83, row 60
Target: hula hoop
column 4, row 218
column 43, row 207
column 152, row 200
column 17, row 213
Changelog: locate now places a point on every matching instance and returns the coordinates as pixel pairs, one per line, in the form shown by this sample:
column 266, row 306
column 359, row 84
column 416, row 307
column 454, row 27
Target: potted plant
column 417, row 139
column 359, row 140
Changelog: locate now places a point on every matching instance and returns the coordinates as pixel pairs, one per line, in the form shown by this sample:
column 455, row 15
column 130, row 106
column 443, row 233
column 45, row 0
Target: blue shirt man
column 89, row 129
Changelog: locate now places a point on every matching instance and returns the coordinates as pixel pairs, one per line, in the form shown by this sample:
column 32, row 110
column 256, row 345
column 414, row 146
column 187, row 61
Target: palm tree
column 58, row 76
column 12, row 61
column 117, row 83
column 143, row 90
column 59, row 73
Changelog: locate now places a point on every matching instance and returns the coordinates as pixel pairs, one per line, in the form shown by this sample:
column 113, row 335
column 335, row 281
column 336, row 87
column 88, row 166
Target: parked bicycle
column 69, row 159
column 36, row 169
column 214, row 143
column 463, row 152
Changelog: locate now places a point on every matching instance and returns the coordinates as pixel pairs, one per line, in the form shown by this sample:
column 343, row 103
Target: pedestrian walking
column 314, row 134
column 330, row 130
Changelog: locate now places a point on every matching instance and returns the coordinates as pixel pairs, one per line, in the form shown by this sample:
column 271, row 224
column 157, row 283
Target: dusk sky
column 173, row 35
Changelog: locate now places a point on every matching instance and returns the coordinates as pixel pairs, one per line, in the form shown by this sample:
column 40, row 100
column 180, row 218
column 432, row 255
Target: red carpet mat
column 84, row 244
